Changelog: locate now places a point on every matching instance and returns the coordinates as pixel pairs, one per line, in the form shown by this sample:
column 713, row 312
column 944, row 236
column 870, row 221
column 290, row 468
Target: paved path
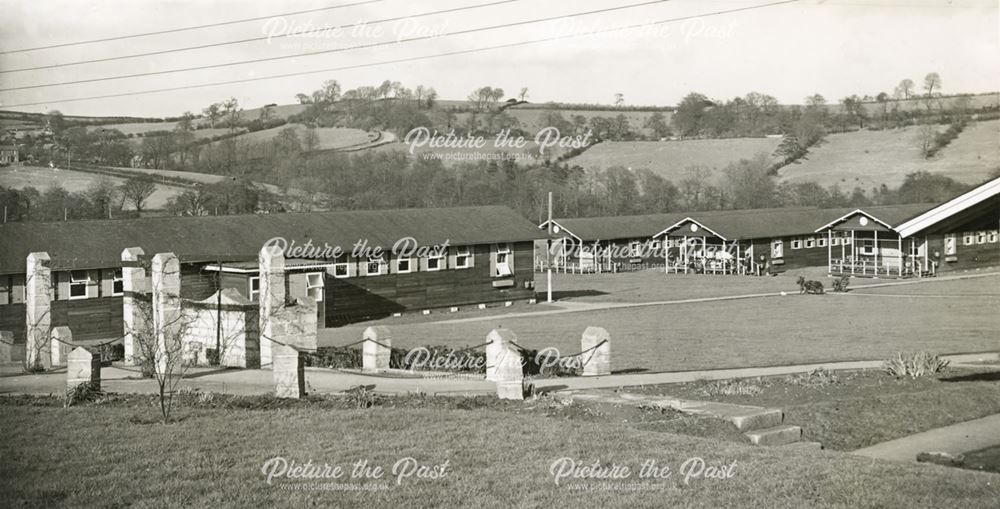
column 320, row 380
column 955, row 439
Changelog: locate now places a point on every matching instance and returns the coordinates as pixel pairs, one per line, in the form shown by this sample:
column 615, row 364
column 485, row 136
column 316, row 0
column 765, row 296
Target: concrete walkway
column 321, row 380
column 955, row 439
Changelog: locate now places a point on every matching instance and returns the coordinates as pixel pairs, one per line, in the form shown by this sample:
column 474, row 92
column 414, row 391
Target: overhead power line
column 185, row 29
column 336, row 50
column 406, row 59
column 261, row 38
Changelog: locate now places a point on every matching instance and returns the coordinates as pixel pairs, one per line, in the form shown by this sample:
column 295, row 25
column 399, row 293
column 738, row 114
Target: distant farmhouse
column 486, row 256
column 8, row 154
column 880, row 241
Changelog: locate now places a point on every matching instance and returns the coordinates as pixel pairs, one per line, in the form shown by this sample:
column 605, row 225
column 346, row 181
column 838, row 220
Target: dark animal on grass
column 809, row 286
column 840, row 285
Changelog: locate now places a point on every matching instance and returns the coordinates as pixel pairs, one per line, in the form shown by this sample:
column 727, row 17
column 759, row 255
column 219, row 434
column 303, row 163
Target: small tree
column 926, row 137
column 136, row 191
column 159, row 343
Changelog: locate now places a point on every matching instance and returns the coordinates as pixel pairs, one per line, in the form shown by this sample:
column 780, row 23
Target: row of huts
column 394, row 261
column 878, row 241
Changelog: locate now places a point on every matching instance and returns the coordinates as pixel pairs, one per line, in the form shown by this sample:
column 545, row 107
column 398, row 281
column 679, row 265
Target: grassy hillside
column 871, row 158
column 670, row 158
column 329, row 137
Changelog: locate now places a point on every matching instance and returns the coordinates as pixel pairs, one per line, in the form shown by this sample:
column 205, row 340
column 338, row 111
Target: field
column 530, row 119
column 870, row 158
column 759, row 331
column 670, row 158
column 329, row 137
column 498, row 454
column 73, row 181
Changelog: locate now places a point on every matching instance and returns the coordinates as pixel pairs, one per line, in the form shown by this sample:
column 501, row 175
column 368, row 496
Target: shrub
column 914, row 365
column 818, row 377
column 81, row 393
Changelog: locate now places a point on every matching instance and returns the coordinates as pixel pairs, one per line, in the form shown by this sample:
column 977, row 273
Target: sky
column 832, row 47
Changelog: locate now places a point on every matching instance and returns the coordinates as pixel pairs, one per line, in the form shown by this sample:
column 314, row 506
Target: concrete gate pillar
column 38, row 311
column 166, row 286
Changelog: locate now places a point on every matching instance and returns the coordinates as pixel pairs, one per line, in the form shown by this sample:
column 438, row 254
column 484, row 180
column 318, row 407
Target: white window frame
column 463, row 256
column 117, row 277
column 504, row 268
column 74, row 282
column 382, row 267
column 253, row 295
column 635, row 248
column 968, row 238
column 868, row 247
column 820, row 241
column 981, row 237
column 950, row 244
column 342, row 265
column 654, row 245
column 809, row 243
column 834, row 240
column 409, row 265
column 439, row 259
column 312, row 285
column 992, row 236
column 780, row 251
column 796, row 243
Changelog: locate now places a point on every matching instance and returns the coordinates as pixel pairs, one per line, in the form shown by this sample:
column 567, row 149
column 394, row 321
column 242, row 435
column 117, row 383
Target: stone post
column 62, row 343
column 509, row 372
column 135, row 286
column 497, row 339
column 272, row 297
column 375, row 356
column 82, row 367
column 38, row 305
column 166, row 286
column 597, row 361
column 288, row 369
column 6, row 345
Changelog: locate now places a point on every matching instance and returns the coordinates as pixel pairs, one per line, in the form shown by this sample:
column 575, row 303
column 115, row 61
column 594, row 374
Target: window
column 655, row 245
column 796, row 243
column 117, row 283
column 463, row 258
column 79, row 284
column 981, row 237
column 810, row 242
column 254, row 288
column 504, row 261
column 635, row 247
column 435, row 262
column 835, row 240
column 821, row 242
column 404, row 265
column 867, row 247
column 341, row 270
column 777, row 248
column 950, row 244
column 992, row 236
column 968, row 239
column 314, row 286
column 375, row 267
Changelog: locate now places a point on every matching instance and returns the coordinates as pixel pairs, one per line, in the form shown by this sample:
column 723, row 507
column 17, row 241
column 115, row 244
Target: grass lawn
column 498, row 454
column 847, row 411
column 985, row 459
column 764, row 331
column 73, row 181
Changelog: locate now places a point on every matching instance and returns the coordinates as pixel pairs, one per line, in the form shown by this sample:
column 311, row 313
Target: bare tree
column 523, row 95
column 904, row 90
column 136, row 191
column 926, row 137
column 932, row 82
column 159, row 342
column 619, row 99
